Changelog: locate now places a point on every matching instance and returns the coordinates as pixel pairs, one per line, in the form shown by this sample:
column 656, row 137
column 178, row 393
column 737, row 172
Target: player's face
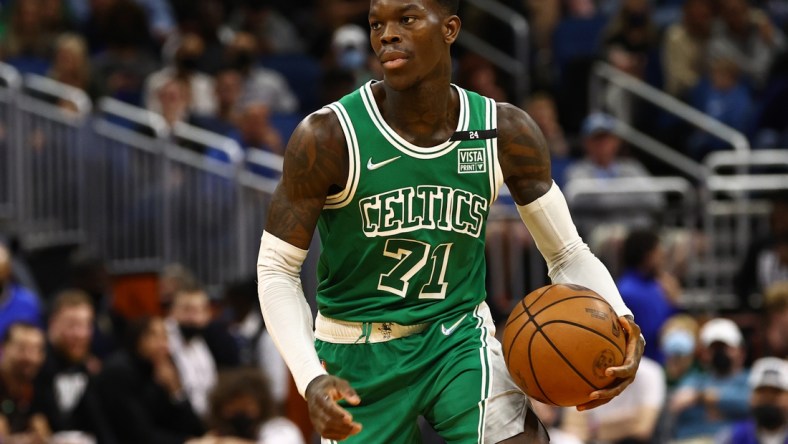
column 411, row 39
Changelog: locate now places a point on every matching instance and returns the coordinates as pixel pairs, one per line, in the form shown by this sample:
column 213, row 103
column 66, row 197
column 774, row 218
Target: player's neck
column 426, row 109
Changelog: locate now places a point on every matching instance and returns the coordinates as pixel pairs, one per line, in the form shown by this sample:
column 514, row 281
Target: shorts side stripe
column 487, row 374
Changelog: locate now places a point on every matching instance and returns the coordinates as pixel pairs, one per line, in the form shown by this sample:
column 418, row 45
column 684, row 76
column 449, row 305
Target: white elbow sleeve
column 286, row 312
column 569, row 259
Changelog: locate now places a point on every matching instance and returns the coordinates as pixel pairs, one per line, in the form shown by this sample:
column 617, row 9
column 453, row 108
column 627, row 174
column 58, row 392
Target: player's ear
column 451, row 28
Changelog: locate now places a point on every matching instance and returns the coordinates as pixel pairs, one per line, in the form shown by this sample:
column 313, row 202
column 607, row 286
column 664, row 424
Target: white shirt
column 280, row 430
column 268, row 358
column 195, row 365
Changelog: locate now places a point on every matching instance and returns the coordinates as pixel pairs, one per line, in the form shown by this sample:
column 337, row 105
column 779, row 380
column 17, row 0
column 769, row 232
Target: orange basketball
column 558, row 342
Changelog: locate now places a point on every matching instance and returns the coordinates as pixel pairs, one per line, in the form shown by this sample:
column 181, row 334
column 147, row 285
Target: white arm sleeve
column 287, row 315
column 569, row 260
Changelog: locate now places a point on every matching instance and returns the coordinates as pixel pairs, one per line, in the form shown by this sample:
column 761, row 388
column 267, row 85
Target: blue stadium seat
column 302, row 72
column 286, row 124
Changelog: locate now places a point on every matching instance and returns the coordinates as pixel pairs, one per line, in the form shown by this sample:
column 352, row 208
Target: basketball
column 558, row 342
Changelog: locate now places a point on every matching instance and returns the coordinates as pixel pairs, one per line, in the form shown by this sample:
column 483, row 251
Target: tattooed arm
column 316, row 166
column 525, row 163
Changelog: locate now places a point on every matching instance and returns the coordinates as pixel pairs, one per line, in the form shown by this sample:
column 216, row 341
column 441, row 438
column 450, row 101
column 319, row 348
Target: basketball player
column 399, row 177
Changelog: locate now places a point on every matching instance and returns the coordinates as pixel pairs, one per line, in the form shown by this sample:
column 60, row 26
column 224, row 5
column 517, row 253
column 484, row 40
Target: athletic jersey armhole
column 496, row 175
column 344, row 197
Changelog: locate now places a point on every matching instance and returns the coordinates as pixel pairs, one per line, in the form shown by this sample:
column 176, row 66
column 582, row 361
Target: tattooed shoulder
column 523, row 154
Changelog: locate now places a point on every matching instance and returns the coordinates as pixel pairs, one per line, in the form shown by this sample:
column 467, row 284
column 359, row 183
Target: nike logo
column 450, row 330
column 373, row 166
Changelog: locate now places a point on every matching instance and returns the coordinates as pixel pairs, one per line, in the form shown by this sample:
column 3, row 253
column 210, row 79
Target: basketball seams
column 540, row 296
column 581, row 326
column 579, row 296
column 558, row 352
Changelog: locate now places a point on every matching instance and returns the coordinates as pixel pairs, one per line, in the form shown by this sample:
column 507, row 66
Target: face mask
column 243, row 426
column 768, row 416
column 351, row 59
column 188, row 64
column 189, row 331
column 721, row 362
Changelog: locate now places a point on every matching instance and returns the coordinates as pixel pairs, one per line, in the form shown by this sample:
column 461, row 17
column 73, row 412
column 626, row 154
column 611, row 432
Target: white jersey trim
column 403, row 145
column 344, row 197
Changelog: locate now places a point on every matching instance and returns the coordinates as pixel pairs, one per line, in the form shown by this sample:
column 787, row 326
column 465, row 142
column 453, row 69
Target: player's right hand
column 330, row 420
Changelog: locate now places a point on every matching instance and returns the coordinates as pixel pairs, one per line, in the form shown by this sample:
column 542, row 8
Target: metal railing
column 603, row 72
column 515, row 65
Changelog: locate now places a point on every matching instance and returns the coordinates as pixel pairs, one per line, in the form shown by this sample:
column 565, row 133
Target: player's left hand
column 624, row 373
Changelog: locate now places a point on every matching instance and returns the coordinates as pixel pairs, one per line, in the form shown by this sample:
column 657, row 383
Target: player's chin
column 398, row 81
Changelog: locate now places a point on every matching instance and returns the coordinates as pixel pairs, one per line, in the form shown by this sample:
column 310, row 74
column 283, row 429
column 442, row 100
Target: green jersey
column 404, row 240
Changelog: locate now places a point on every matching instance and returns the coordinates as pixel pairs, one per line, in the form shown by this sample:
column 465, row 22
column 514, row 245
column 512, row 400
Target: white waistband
column 344, row 332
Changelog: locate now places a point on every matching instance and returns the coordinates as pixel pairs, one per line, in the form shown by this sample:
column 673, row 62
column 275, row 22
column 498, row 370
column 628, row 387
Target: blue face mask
column 352, row 59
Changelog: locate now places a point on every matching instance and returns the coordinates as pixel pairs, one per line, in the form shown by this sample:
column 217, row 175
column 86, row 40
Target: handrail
column 134, row 114
column 645, row 91
column 627, row 185
column 517, row 65
column 748, row 182
column 659, row 150
column 265, row 159
column 720, row 159
column 60, row 90
column 10, row 75
column 209, row 139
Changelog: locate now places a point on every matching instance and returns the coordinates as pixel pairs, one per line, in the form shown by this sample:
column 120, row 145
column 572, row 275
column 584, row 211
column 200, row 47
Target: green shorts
column 452, row 373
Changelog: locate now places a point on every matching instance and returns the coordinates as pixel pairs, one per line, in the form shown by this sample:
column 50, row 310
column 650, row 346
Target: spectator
column 542, row 108
column 551, row 417
column 685, row 45
column 632, row 29
column 17, row 303
column 141, row 393
column 71, row 64
column 350, row 52
column 630, row 418
column 255, row 345
column 68, row 371
column 120, row 70
column 723, row 96
column 768, row 405
column 205, row 18
column 273, row 32
column 647, row 288
column 776, row 310
column 259, row 84
column 747, row 37
column 227, row 116
column 766, row 261
column 602, row 161
column 184, row 67
column 186, row 324
column 478, row 74
column 710, row 400
column 771, row 123
column 23, row 415
column 174, row 278
column 257, row 131
column 173, row 97
column 241, row 407
column 25, row 42
column 678, row 345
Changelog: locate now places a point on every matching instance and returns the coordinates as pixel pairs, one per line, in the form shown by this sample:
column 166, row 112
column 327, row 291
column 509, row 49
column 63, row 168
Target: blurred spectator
column 273, row 32
column 227, row 116
column 94, row 23
column 478, row 74
column 766, row 261
column 71, row 64
column 543, row 16
column 17, row 303
column 26, row 42
column 350, row 52
column 632, row 29
column 257, row 348
column 768, row 404
column 160, row 18
column 89, row 273
column 747, row 37
column 602, row 161
column 678, row 343
column 542, row 108
column 630, row 418
column 710, row 400
column 23, row 415
column 259, row 84
column 68, row 371
column 184, row 67
column 684, row 51
column 174, row 278
column 723, row 96
column 120, row 70
column 205, row 18
column 257, row 131
column 241, row 407
column 173, row 96
column 647, row 288
column 771, row 122
column 776, row 308
column 141, row 393
column 186, row 324
column 551, row 416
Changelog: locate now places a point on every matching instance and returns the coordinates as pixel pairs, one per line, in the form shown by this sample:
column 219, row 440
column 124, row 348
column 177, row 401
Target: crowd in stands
column 203, row 370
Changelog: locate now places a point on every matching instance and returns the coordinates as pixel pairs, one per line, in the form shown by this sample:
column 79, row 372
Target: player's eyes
column 374, row 26
column 408, row 20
